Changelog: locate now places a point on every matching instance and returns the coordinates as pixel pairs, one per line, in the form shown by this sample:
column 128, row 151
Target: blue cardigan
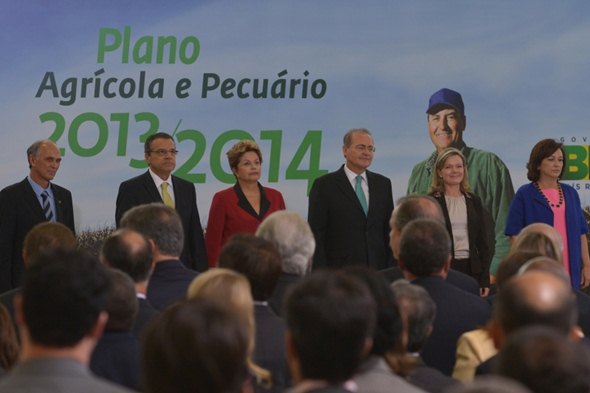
column 529, row 206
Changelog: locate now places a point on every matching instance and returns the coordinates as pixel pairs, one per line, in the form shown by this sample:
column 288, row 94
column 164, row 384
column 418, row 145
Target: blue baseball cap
column 445, row 98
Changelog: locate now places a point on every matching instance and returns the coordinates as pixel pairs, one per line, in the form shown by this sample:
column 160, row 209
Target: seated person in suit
column 258, row 260
column 545, row 360
column 418, row 312
column 241, row 208
column 196, row 345
column 116, row 356
column 424, row 257
column 162, row 226
column 61, row 315
column 131, row 253
column 293, row 238
column 376, row 374
column 408, row 209
column 330, row 321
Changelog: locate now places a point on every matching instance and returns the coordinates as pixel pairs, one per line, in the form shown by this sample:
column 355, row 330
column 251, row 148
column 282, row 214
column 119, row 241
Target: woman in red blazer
column 241, row 208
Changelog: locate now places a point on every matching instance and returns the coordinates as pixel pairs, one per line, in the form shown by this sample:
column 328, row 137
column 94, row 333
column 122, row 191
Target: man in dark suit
column 131, row 252
column 425, row 258
column 259, row 260
column 28, row 203
column 349, row 210
column 162, row 226
column 159, row 185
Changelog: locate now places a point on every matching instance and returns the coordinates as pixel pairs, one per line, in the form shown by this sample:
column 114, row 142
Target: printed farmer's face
column 445, row 128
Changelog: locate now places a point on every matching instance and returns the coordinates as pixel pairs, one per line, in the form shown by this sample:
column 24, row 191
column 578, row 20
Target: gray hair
column 159, row 223
column 347, row 139
column 412, row 207
column 33, row 150
column 292, row 237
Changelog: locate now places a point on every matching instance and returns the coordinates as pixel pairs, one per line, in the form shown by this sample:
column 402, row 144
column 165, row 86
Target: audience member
column 162, row 226
column 294, row 240
column 408, row 209
column 8, row 342
column 196, row 345
column 418, row 311
column 131, row 252
column 424, row 257
column 42, row 238
column 375, row 374
column 545, row 361
column 330, row 320
column 233, row 288
column 490, row 384
column 61, row 315
column 116, row 356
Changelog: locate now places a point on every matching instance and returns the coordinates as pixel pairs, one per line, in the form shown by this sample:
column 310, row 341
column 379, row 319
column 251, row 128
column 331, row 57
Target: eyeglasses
column 370, row 149
column 163, row 152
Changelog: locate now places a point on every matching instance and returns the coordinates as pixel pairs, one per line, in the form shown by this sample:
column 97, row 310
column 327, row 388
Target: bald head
column 408, row 209
column 130, row 252
column 536, row 297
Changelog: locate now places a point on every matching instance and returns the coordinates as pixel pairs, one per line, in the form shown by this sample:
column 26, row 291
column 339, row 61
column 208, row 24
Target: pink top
column 559, row 222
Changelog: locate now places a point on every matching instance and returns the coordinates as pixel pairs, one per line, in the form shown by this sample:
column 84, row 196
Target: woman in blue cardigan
column 546, row 200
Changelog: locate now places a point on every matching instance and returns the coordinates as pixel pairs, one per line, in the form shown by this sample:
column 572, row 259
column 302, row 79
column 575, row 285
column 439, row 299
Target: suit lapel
column 151, row 189
column 31, row 200
column 57, row 198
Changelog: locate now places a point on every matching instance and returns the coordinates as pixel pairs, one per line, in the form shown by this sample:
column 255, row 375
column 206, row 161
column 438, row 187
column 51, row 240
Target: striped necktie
column 166, row 196
column 358, row 189
column 46, row 206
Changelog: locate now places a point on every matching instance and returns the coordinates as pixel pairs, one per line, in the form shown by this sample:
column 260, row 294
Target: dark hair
column 388, row 328
column 425, row 246
column 545, row 361
column 196, row 345
column 8, row 342
column 159, row 223
column 519, row 304
column 412, row 207
column 511, row 264
column 158, row 135
column 419, row 311
column 130, row 252
column 329, row 316
column 257, row 259
column 48, row 236
column 63, row 294
column 122, row 305
column 543, row 149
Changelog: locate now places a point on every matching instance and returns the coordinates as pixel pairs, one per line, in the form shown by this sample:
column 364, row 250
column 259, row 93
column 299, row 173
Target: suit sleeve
column 215, row 226
column 7, row 229
column 484, row 248
column 125, row 201
column 196, row 238
column 317, row 217
column 66, row 209
column 386, row 228
column 515, row 220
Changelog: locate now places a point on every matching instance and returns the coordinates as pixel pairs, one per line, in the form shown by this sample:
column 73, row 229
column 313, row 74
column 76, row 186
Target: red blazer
column 231, row 213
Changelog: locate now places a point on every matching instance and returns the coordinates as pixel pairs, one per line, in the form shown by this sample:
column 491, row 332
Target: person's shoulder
column 329, row 177
column 483, row 155
column 60, row 189
column 14, row 188
column 271, row 191
column 378, row 177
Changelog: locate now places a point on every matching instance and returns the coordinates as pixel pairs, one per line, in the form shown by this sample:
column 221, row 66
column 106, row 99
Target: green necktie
column 166, row 196
column 360, row 194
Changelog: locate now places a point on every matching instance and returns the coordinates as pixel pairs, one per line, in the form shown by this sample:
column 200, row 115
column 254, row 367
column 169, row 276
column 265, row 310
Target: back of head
column 195, row 346
column 539, row 243
column 46, row 237
column 130, row 252
column 412, row 207
column 490, row 384
column 511, row 264
column 8, row 342
column 545, row 361
column 122, row 302
column 257, row 259
column 63, row 294
column 536, row 297
column 330, row 317
column 388, row 328
column 547, row 265
column 292, row 237
column 425, row 247
column 418, row 309
column 159, row 223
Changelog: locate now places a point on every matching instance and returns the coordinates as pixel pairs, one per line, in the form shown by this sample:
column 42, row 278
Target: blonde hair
column 539, row 243
column 437, row 181
column 233, row 287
